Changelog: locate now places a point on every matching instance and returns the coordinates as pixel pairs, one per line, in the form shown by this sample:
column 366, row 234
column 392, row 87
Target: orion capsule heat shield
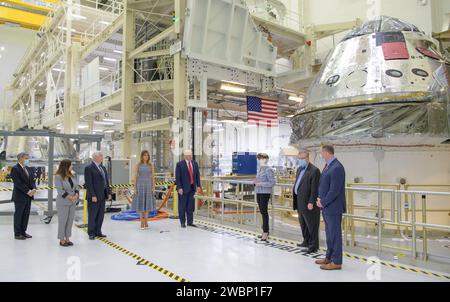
column 385, row 82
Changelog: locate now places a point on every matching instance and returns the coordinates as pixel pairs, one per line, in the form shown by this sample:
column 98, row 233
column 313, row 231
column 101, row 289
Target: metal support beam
column 154, row 125
column 71, row 89
column 158, row 38
column 150, row 54
column 127, row 78
column 103, row 36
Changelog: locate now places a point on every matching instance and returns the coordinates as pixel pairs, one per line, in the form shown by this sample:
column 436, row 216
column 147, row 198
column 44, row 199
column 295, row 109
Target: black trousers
column 310, row 223
column 21, row 216
column 263, row 203
column 96, row 214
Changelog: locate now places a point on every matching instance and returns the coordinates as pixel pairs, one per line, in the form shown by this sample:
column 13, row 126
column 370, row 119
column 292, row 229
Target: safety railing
column 216, row 205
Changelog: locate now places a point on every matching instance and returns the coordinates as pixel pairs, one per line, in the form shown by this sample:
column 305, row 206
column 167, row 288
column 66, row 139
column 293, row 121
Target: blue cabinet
column 244, row 163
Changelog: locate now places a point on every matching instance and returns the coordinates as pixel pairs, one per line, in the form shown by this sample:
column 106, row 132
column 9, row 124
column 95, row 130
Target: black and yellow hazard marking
column 348, row 255
column 37, row 189
column 161, row 183
column 35, row 179
column 83, row 187
column 141, row 260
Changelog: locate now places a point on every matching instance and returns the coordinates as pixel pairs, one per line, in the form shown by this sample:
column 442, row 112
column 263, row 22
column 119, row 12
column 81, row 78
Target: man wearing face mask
column 264, row 183
column 305, row 194
column 333, row 204
column 23, row 193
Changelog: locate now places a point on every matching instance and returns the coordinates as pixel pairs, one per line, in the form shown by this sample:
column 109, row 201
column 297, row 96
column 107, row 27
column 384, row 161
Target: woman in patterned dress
column 144, row 188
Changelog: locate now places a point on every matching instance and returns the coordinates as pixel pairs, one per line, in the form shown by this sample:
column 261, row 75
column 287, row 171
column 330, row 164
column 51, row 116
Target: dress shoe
column 183, row 226
column 28, row 236
column 101, row 236
column 303, row 244
column 323, row 261
column 69, row 243
column 331, row 267
column 309, row 251
column 192, row 225
column 65, row 244
column 20, row 237
column 92, row 237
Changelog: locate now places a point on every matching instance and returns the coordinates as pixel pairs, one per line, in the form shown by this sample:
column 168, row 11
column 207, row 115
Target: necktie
column 326, row 167
column 191, row 174
column 26, row 171
column 103, row 174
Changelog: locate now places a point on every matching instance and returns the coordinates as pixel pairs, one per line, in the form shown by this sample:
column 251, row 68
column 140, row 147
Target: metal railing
column 394, row 198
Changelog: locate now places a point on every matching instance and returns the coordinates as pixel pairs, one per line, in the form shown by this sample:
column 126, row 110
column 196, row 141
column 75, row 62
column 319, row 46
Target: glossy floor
column 196, row 254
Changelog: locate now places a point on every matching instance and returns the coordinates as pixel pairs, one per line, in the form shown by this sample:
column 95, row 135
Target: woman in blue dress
column 144, row 188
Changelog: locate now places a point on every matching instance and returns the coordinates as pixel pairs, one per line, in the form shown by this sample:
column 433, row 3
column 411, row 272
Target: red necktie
column 191, row 174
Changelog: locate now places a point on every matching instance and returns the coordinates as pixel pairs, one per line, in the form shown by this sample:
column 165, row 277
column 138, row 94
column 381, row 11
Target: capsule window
column 420, row 72
column 333, row 80
column 394, row 73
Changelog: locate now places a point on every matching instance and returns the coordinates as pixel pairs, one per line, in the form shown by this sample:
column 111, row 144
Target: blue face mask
column 302, row 163
column 26, row 162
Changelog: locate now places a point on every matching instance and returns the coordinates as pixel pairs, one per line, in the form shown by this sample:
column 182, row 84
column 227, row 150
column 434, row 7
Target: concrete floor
column 196, row 254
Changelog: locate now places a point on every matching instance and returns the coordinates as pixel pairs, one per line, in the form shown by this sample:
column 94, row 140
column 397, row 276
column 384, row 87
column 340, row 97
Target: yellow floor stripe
column 142, row 261
column 446, row 277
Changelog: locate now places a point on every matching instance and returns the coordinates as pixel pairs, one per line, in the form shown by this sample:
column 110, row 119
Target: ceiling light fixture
column 103, row 68
column 78, row 17
column 232, row 88
column 109, row 59
column 104, row 22
column 118, row 51
column 112, row 120
column 298, row 99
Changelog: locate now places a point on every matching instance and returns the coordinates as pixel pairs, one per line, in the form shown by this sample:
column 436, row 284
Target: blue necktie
column 103, row 174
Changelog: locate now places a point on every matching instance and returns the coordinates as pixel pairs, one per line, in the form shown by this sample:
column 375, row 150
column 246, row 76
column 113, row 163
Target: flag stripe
column 263, row 112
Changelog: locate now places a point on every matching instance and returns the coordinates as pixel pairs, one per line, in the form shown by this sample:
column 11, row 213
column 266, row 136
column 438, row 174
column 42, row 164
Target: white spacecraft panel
column 222, row 32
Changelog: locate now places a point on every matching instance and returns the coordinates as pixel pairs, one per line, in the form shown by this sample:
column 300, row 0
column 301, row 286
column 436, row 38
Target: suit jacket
column 332, row 189
column 22, row 183
column 64, row 189
column 94, row 183
column 182, row 177
column 308, row 190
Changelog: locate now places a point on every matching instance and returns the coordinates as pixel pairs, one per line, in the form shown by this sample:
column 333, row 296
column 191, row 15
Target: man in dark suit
column 23, row 193
column 98, row 191
column 333, row 204
column 187, row 181
column 305, row 193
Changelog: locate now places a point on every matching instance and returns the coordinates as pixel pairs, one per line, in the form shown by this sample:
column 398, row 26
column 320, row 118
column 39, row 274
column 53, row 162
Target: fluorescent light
column 104, row 123
column 110, row 131
column 65, row 28
column 60, row 70
column 103, row 68
column 104, row 22
column 2, row 48
column 232, row 88
column 0, row 55
column 94, row 131
column 83, row 126
column 40, row 84
column 219, row 130
column 109, row 59
column 79, row 17
column 118, row 51
column 112, row 120
column 289, row 116
column 298, row 99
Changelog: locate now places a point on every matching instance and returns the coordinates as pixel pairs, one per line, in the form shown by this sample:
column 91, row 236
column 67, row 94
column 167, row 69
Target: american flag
column 262, row 112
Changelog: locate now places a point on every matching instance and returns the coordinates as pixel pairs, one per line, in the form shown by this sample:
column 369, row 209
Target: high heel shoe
column 265, row 236
column 63, row 244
